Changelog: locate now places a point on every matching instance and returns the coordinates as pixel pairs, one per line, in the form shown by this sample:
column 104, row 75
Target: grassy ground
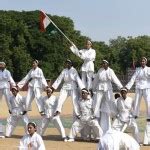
column 52, row 138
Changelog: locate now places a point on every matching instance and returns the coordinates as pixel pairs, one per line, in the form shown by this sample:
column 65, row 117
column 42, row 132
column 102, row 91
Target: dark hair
column 117, row 95
column 32, row 124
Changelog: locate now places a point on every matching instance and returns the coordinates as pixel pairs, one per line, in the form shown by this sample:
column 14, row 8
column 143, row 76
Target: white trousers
column 118, row 125
column 78, row 125
column 63, row 96
column 147, row 134
column 87, row 79
column 105, row 97
column 12, row 123
column 57, row 123
column 31, row 94
column 138, row 96
column 6, row 93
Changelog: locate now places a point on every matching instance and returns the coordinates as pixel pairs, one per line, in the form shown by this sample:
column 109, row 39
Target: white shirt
column 103, row 79
column 116, row 140
column 38, row 79
column 50, row 105
column 6, row 79
column 141, row 77
column 17, row 104
column 88, row 55
column 124, row 108
column 70, row 78
column 86, row 109
column 35, row 140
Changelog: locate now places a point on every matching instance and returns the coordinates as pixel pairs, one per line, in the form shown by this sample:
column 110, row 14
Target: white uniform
column 33, row 142
column 50, row 105
column 87, row 69
column 141, row 77
column 35, row 87
column 147, row 134
column 125, row 118
column 17, row 107
column 103, row 87
column 116, row 140
column 5, row 81
column 86, row 112
column 71, row 80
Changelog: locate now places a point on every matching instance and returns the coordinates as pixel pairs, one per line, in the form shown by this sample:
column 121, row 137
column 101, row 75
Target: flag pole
column 59, row 29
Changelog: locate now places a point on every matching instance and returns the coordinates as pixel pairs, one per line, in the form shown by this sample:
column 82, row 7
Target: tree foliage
column 21, row 41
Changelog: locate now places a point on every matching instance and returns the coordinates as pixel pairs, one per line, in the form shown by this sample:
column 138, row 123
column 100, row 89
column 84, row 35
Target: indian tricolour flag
column 46, row 24
column 44, row 21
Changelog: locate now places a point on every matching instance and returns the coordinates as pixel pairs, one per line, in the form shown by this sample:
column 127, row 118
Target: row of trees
column 21, row 41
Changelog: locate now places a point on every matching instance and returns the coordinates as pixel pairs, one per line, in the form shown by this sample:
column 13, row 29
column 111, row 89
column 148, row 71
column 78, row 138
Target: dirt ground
column 51, row 138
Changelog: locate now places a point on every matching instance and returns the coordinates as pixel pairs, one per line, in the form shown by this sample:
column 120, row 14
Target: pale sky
column 100, row 20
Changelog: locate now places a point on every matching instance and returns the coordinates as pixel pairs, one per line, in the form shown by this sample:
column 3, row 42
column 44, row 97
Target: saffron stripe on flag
column 44, row 21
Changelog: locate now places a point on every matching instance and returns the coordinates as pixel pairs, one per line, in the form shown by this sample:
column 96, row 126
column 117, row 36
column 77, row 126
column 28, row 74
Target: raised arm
column 58, row 80
column 24, row 80
column 131, row 82
column 115, row 80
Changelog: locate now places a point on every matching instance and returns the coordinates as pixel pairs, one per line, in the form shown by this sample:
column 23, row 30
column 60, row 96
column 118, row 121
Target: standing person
column 71, row 79
column 103, row 90
column 36, row 83
column 88, row 56
column 32, row 141
column 141, row 78
column 116, row 140
column 17, row 112
column 50, row 103
column 85, row 118
column 124, row 117
column 5, row 81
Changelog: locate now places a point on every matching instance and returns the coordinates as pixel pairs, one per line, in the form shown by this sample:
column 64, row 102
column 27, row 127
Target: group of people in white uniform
column 96, row 113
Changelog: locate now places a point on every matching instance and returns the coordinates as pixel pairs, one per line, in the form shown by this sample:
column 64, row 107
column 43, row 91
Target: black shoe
column 56, row 113
column 42, row 113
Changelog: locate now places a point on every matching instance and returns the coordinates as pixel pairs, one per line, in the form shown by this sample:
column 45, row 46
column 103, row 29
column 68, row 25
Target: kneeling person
column 124, row 117
column 17, row 112
column 85, row 118
column 50, row 103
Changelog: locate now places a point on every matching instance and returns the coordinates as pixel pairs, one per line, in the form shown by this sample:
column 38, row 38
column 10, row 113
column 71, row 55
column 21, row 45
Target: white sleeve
column 24, row 80
column 44, row 82
column 22, row 145
column 116, row 80
column 58, row 80
column 11, row 80
column 80, row 84
column 131, row 82
column 75, row 50
column 41, row 143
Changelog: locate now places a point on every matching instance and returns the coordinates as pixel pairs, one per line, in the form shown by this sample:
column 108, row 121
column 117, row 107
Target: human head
column 49, row 92
column 88, row 44
column 2, row 65
column 143, row 62
column 14, row 91
column 35, row 63
column 32, row 127
column 124, row 93
column 85, row 93
column 105, row 64
column 68, row 63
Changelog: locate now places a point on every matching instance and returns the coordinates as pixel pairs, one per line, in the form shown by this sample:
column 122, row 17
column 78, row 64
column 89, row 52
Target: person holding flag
column 88, row 56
